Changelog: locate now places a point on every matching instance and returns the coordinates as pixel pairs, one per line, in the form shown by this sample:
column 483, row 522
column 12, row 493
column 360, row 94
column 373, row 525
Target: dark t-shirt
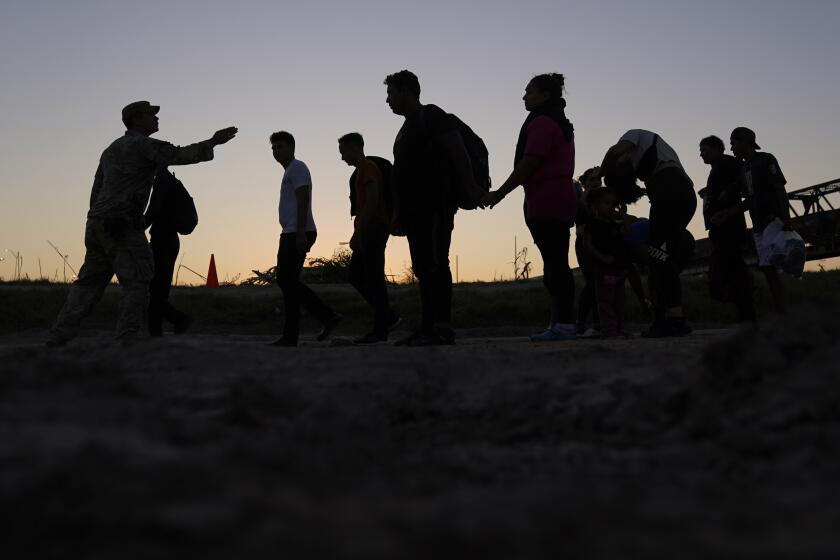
column 723, row 190
column 759, row 176
column 422, row 175
column 608, row 238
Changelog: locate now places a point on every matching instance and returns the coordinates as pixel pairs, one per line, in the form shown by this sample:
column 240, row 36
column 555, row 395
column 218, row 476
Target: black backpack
column 479, row 161
column 385, row 168
column 175, row 206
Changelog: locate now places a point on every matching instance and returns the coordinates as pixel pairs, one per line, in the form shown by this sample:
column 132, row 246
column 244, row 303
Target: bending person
column 544, row 164
column 115, row 242
column 644, row 155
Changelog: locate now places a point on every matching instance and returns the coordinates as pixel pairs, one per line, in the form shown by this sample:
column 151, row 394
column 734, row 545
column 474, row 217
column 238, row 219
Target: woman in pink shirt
column 544, row 165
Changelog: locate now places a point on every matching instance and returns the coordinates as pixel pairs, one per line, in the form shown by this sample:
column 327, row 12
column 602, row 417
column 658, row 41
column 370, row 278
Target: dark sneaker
column 370, row 338
column 672, row 327
column 329, row 326
column 55, row 342
column 554, row 335
column 181, row 325
column 283, row 342
column 406, row 340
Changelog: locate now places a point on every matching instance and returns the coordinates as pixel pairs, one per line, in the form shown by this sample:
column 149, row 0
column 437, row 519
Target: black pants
column 367, row 275
column 588, row 298
column 672, row 205
column 165, row 247
column 552, row 239
column 296, row 293
column 730, row 278
column 429, row 235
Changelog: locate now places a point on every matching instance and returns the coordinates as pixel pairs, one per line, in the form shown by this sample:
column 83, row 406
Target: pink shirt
column 549, row 192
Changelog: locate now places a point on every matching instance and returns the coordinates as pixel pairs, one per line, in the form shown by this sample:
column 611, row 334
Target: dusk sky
column 682, row 69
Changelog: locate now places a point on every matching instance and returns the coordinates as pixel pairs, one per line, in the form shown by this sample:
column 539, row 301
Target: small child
column 605, row 243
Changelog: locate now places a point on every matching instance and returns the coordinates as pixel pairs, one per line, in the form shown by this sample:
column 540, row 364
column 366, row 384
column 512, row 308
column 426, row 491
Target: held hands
column 224, row 135
column 302, row 243
column 492, row 198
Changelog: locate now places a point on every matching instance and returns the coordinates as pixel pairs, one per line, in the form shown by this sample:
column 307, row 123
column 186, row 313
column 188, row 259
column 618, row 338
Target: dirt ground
column 724, row 444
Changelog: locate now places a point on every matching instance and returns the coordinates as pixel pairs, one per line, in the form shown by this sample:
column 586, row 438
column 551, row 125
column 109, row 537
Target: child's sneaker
column 553, row 334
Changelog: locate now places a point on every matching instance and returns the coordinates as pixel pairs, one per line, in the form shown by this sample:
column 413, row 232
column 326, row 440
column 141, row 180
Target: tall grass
column 247, row 309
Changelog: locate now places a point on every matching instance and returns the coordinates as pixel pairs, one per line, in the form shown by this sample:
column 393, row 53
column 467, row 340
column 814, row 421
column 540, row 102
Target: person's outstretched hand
column 224, row 135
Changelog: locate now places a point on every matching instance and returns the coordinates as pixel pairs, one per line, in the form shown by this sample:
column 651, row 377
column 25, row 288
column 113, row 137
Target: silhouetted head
column 742, row 141
column 622, row 182
column 591, row 178
column 351, row 146
column 604, row 203
column 544, row 92
column 282, row 147
column 141, row 116
column 711, row 149
column 403, row 92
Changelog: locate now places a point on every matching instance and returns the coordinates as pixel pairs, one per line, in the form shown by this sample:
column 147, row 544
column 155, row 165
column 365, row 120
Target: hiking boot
column 181, row 325
column 329, row 326
column 55, row 342
column 671, row 327
column 591, row 332
column 438, row 337
column 370, row 338
column 553, row 335
column 283, row 342
column 395, row 321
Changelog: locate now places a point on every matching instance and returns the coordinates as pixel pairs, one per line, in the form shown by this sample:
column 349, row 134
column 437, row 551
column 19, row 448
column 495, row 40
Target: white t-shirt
column 296, row 176
column 643, row 139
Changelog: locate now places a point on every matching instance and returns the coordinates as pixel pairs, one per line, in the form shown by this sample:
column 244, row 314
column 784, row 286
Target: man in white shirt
column 297, row 237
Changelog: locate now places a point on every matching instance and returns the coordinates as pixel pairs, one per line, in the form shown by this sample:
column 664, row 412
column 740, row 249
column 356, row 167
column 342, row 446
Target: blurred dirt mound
column 221, row 447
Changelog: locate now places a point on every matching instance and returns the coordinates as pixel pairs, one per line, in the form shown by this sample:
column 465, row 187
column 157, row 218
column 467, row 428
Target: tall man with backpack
column 438, row 166
column 372, row 205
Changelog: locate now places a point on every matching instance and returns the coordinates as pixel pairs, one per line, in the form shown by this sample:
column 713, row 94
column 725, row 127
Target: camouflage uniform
column 115, row 240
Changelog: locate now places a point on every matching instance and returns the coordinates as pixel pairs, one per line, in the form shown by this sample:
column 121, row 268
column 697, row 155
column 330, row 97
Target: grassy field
column 28, row 306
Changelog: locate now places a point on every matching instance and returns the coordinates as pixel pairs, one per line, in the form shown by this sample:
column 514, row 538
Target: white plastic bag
column 786, row 248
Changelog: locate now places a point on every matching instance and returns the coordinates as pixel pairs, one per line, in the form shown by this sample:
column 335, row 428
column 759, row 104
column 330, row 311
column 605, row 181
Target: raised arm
column 165, row 154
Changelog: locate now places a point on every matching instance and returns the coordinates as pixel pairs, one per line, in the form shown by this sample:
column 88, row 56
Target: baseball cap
column 744, row 134
column 138, row 107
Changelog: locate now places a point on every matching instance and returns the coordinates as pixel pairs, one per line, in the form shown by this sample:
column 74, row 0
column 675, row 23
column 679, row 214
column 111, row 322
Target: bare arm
column 368, row 214
column 302, row 196
column 521, row 173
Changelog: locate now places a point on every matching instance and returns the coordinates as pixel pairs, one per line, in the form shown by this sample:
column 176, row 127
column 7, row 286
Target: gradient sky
column 683, row 69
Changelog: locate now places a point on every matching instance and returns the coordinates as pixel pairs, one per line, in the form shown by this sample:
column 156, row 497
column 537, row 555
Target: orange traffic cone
column 212, row 277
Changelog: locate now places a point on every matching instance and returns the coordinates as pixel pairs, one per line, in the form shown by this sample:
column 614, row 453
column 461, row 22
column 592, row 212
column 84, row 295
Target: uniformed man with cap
column 115, row 241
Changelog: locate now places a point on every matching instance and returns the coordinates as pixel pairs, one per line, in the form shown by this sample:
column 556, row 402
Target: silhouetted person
column 763, row 185
column 644, row 155
column 729, row 277
column 430, row 161
column 587, row 303
column 545, row 164
column 115, row 240
column 297, row 237
column 169, row 211
column 371, row 229
column 609, row 254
